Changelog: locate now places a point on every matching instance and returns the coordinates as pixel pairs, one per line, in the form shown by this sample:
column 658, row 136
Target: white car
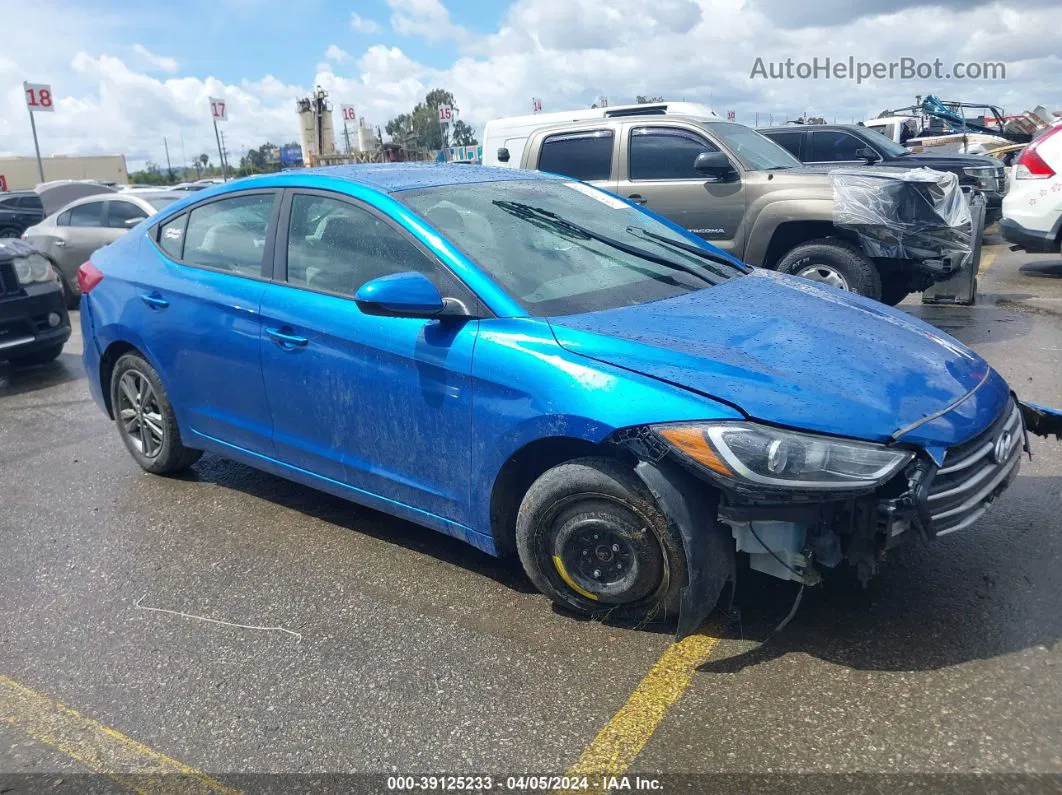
column 504, row 139
column 1032, row 209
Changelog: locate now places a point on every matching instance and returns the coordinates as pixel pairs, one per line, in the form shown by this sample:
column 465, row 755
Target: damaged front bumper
column 794, row 538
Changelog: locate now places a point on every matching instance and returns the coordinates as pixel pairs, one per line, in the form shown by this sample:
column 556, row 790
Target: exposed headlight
column 758, row 455
column 34, row 268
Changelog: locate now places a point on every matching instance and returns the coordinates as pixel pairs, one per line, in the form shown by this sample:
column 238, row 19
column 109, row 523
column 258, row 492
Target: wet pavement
column 367, row 644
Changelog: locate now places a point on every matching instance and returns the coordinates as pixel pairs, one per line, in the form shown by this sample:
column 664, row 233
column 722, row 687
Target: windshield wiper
column 538, row 215
column 689, row 248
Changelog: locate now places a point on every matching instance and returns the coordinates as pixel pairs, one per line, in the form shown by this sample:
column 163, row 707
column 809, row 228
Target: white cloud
column 568, row 52
column 162, row 63
column 334, row 53
column 360, row 24
column 428, row 19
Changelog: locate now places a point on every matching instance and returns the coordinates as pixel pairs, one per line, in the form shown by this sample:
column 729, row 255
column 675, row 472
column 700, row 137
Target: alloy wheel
column 139, row 413
column 825, row 275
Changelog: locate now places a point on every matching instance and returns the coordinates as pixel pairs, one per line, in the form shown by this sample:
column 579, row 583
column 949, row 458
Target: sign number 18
column 39, row 97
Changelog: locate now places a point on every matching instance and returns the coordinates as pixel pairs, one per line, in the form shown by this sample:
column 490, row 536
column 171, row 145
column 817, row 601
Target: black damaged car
column 848, row 145
column 34, row 324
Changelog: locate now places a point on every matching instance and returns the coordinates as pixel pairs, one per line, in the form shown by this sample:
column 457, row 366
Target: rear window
column 171, row 236
column 583, row 155
column 161, row 202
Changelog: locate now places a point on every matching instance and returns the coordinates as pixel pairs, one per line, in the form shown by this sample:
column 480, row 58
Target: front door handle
column 60, row 243
column 637, row 198
column 154, row 300
column 286, row 339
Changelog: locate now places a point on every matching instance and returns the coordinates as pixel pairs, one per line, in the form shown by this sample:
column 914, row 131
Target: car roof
column 395, row 177
column 848, row 127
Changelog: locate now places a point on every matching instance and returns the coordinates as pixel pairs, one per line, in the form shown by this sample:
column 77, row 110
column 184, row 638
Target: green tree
column 641, row 99
column 463, row 135
column 421, row 125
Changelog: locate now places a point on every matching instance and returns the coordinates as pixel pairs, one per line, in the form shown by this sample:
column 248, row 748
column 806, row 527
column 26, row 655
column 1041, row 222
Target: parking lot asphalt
column 353, row 642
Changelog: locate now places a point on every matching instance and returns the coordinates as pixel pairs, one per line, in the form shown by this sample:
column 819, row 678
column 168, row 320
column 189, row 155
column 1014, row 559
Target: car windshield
column 886, row 144
column 560, row 248
column 756, row 152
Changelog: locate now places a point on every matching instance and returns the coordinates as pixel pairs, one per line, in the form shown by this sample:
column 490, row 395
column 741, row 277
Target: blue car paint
column 783, row 348
column 482, row 390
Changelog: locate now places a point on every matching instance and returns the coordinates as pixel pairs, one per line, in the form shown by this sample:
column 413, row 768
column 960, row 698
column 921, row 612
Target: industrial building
column 20, row 173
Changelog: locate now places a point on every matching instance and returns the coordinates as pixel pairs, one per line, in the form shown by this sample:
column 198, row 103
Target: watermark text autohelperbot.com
column 851, row 69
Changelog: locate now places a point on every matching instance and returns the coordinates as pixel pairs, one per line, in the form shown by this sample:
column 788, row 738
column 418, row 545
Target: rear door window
column 86, row 215
column 582, row 155
column 229, row 234
column 665, row 153
column 831, row 146
column 119, row 212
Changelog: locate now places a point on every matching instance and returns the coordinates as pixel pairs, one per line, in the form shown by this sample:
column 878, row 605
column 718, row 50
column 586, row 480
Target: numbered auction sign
column 219, row 109
column 348, row 113
column 446, row 113
column 39, row 97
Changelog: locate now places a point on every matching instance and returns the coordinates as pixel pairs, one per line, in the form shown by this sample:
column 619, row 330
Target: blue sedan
column 542, row 369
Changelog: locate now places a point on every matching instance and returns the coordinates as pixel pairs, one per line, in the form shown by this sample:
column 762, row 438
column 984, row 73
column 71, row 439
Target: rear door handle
column 60, row 243
column 637, row 198
column 285, row 338
column 154, row 300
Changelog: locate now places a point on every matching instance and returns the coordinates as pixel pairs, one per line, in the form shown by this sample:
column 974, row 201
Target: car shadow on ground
column 357, row 518
column 20, row 380
column 980, row 594
column 1042, row 269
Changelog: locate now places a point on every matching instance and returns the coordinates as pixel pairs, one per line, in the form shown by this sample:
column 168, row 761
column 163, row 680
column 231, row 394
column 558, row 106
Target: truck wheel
column 591, row 537
column 10, row 231
column 836, row 263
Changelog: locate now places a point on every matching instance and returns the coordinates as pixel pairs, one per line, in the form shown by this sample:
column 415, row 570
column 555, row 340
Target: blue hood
column 790, row 352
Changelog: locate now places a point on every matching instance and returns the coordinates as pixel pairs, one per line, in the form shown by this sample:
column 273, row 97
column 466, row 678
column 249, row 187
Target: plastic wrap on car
column 917, row 214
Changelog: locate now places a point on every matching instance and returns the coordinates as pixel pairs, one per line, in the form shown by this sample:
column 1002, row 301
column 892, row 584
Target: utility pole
column 184, row 159
column 169, row 166
column 221, row 156
column 346, row 134
column 224, row 158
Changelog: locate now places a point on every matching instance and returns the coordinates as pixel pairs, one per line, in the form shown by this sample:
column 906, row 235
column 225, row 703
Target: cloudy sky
column 126, row 74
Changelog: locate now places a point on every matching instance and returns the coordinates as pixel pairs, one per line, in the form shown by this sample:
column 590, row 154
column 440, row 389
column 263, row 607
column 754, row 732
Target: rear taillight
column 1030, row 164
column 88, row 276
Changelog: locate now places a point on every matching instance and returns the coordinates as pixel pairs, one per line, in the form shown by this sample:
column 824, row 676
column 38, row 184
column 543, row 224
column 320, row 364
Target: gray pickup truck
column 735, row 188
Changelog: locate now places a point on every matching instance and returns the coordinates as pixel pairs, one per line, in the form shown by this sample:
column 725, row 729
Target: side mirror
column 868, row 154
column 503, row 155
column 408, row 294
column 714, row 166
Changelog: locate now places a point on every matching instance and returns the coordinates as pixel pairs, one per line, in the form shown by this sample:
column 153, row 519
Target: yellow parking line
column 98, row 747
column 625, row 735
column 987, row 258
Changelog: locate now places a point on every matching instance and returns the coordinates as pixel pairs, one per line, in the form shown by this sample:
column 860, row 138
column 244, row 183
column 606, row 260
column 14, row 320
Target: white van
column 504, row 139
